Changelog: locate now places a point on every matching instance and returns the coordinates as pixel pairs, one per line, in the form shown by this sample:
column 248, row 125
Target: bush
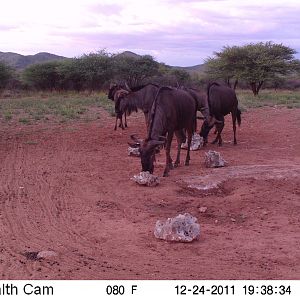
column 6, row 74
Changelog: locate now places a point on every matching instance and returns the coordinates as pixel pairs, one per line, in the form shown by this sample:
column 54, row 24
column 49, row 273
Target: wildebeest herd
column 170, row 111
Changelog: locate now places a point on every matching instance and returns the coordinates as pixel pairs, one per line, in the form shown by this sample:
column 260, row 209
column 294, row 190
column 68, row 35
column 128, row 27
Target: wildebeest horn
column 127, row 87
column 212, row 120
column 155, row 143
column 134, row 145
column 120, row 93
column 136, row 139
column 218, row 121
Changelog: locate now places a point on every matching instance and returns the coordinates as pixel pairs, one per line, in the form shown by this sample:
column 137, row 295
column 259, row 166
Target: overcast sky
column 182, row 33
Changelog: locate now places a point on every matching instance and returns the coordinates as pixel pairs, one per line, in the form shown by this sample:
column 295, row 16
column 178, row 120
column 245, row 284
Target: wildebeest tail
column 238, row 116
column 153, row 108
column 207, row 92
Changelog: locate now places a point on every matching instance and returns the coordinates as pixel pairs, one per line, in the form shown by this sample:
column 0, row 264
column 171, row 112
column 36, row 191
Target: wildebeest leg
column 233, row 115
column 169, row 164
column 125, row 120
column 116, row 123
column 146, row 120
column 121, row 122
column 180, row 136
column 187, row 159
column 219, row 128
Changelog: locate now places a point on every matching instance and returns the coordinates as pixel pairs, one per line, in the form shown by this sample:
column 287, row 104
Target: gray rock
column 213, row 159
column 145, row 178
column 133, row 152
column 183, row 228
column 197, row 143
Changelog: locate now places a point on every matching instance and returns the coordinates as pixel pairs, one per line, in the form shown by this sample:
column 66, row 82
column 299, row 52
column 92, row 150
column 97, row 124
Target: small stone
column 145, row 178
column 134, row 152
column 216, row 221
column 213, row 159
column 233, row 219
column 46, row 254
column 203, row 209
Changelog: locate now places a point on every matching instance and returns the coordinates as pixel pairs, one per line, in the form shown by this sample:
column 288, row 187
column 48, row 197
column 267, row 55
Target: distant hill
column 196, row 68
column 128, row 54
column 192, row 69
column 19, row 61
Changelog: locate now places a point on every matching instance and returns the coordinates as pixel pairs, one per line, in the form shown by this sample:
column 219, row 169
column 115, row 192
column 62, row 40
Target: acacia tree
column 181, row 76
column 225, row 65
column 135, row 70
column 253, row 63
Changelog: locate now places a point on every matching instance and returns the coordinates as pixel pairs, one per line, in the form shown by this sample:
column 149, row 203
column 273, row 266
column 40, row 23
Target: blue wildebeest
column 115, row 92
column 222, row 100
column 173, row 111
column 140, row 97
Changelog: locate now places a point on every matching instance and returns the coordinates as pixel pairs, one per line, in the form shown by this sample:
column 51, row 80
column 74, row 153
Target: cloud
column 176, row 32
column 106, row 9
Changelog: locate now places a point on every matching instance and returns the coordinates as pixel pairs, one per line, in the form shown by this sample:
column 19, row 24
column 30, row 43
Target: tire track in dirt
column 27, row 219
column 42, row 204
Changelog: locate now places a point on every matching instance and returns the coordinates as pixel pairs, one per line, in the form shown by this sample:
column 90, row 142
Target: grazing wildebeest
column 115, row 92
column 173, row 111
column 222, row 100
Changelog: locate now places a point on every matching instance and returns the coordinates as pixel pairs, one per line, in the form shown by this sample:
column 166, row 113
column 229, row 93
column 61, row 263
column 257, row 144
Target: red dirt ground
column 67, row 188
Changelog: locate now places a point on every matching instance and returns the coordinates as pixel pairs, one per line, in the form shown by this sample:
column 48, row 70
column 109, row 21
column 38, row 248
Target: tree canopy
column 253, row 63
column 135, row 70
column 6, row 73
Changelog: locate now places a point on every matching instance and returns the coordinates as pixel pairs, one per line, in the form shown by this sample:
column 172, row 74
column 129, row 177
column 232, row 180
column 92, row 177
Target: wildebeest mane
column 130, row 107
column 153, row 109
column 139, row 87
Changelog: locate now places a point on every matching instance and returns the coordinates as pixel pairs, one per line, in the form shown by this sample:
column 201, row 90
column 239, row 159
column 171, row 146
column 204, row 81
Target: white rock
column 145, row 178
column 213, row 159
column 46, row 254
column 196, row 143
column 203, row 209
column 183, row 228
column 134, row 152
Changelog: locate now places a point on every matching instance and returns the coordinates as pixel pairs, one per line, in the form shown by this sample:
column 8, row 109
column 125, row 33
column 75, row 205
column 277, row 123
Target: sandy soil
column 66, row 188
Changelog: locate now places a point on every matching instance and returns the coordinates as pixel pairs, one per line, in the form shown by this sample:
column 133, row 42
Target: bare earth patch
column 66, row 189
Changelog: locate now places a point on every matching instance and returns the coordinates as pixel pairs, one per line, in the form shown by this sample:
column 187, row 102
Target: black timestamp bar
column 267, row 289
column 204, row 290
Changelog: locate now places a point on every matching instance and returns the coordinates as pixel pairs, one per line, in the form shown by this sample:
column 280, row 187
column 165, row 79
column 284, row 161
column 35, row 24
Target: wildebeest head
column 147, row 149
column 112, row 89
column 207, row 125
